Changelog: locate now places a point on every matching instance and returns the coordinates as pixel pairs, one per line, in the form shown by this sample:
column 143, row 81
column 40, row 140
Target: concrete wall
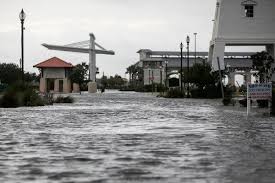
column 54, row 73
column 234, row 24
column 156, row 76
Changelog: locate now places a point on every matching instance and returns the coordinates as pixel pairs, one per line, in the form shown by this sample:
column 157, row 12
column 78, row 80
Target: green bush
column 9, row 100
column 262, row 103
column 20, row 94
column 213, row 91
column 31, row 98
column 3, row 87
column 175, row 93
column 198, row 93
column 226, row 101
column 273, row 102
column 61, row 99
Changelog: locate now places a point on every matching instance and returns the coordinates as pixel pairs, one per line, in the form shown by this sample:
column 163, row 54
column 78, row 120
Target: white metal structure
column 242, row 23
column 89, row 47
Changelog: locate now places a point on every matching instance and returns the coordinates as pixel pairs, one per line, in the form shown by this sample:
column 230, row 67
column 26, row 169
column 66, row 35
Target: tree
column 136, row 75
column 114, row 82
column 262, row 62
column 201, row 75
column 79, row 73
column 31, row 77
column 205, row 81
column 9, row 73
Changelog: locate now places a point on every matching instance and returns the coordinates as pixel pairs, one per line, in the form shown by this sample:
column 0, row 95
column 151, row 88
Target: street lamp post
column 152, row 81
column 149, row 76
column 160, row 88
column 181, row 46
column 188, row 88
column 195, row 46
column 160, row 70
column 166, row 75
column 22, row 17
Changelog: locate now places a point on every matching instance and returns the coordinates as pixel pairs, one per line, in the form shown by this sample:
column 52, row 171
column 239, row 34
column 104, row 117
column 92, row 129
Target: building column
column 76, row 88
column 66, row 86
column 43, row 85
column 56, row 85
column 69, row 86
column 231, row 78
column 217, row 51
column 247, row 78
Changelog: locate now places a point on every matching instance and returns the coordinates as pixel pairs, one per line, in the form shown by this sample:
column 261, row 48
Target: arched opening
column 226, row 80
column 173, row 80
column 239, row 80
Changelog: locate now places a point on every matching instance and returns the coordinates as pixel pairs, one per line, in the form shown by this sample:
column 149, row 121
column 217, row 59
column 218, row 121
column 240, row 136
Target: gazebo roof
column 54, row 63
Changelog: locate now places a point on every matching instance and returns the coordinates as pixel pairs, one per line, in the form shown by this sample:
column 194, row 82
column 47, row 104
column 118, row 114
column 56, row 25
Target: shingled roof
column 54, row 63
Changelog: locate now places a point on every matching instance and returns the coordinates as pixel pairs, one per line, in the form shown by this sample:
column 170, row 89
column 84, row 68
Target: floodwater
column 134, row 137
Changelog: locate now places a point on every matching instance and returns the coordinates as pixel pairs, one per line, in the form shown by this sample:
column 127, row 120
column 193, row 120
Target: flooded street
column 134, row 137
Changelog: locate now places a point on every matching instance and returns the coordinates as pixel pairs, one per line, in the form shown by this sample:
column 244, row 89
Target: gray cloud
column 121, row 25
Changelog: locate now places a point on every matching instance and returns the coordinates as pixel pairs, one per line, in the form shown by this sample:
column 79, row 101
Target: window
column 249, row 10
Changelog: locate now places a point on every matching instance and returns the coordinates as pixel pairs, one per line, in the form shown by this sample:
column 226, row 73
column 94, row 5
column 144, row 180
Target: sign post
column 258, row 91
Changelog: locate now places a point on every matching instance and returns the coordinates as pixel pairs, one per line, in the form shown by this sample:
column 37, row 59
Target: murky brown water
column 133, row 137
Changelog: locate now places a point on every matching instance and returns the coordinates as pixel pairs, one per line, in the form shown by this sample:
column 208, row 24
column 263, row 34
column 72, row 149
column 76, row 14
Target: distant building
column 157, row 65
column 54, row 76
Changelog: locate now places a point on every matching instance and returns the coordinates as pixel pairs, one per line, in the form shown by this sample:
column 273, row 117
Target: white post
column 92, row 87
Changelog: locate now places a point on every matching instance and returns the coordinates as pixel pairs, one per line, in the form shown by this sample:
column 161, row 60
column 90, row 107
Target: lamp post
column 22, row 17
column 195, row 46
column 149, row 76
column 152, row 81
column 188, row 89
column 166, row 75
column 160, row 72
column 181, row 46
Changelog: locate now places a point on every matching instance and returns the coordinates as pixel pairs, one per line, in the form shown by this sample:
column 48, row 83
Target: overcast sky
column 124, row 26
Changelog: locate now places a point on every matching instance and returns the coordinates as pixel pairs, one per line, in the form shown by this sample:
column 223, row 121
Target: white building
column 242, row 23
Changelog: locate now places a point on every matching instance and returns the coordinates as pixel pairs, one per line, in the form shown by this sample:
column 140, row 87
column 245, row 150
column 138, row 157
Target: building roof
column 191, row 53
column 54, row 63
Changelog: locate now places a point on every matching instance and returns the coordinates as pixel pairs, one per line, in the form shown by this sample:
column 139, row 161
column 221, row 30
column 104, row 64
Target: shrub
column 9, row 100
column 20, row 94
column 175, row 93
column 61, row 99
column 213, row 91
column 243, row 102
column 262, row 103
column 226, row 101
column 3, row 87
column 273, row 102
column 31, row 98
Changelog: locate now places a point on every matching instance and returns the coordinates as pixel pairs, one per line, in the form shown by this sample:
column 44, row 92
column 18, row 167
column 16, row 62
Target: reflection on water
column 133, row 137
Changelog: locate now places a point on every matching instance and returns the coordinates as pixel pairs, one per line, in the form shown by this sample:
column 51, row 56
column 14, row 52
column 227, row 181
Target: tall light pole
column 160, row 72
column 22, row 17
column 181, row 46
column 188, row 89
column 166, row 75
column 149, row 76
column 195, row 46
